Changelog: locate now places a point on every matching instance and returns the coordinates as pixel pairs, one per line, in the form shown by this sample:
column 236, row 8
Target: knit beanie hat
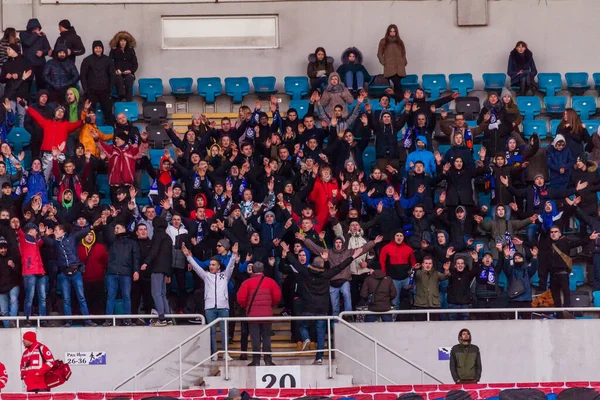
column 30, row 336
column 225, row 244
column 506, row 92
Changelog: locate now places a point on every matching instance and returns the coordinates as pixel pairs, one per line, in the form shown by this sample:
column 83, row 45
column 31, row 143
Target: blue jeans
column 9, row 304
column 76, row 280
column 458, row 316
column 113, row 283
column 373, row 317
column 360, row 80
column 334, row 294
column 321, row 331
column 211, row 315
column 35, row 283
column 158, row 288
column 400, row 285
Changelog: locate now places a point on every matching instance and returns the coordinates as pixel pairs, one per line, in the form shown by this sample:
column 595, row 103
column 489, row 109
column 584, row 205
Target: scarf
column 200, row 234
column 468, row 136
column 547, row 220
column 508, row 241
column 67, row 204
column 488, row 274
column 406, row 139
column 537, row 193
column 513, row 157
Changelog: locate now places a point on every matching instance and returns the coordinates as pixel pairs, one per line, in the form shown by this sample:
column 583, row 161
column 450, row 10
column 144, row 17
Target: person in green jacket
column 427, row 290
column 465, row 359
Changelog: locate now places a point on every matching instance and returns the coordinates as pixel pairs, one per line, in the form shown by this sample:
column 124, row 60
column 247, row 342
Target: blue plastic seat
column 99, row 115
column 503, row 280
column 106, row 129
column 150, row 88
column 301, row 106
column 443, row 148
column 369, row 159
column 461, row 83
column 129, row 108
column 494, row 81
column 555, row 104
column 18, row 138
column 296, row 86
column 578, row 273
column 377, row 90
column 554, row 123
column 596, row 79
column 529, row 106
column 585, row 106
column 549, row 82
column 156, row 155
column 434, row 85
column 181, row 86
column 102, row 184
column 591, row 125
column 209, row 88
column 577, row 82
column 538, row 126
column 596, row 297
column 237, row 88
column 410, row 82
column 264, row 85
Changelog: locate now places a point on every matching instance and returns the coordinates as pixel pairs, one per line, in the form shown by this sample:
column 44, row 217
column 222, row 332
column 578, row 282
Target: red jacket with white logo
column 36, row 361
column 3, row 376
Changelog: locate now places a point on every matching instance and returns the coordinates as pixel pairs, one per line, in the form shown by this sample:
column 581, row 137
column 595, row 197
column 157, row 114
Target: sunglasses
column 219, row 245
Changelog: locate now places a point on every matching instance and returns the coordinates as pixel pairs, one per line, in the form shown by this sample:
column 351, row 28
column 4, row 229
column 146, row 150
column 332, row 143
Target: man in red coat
column 94, row 256
column 36, row 361
column 258, row 295
column 3, row 376
column 396, row 260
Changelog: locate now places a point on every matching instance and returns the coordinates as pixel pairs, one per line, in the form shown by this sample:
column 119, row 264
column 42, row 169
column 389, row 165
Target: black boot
column 255, row 361
column 243, row 357
column 269, row 361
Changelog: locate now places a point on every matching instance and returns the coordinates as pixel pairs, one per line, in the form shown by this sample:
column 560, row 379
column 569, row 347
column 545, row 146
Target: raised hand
column 234, row 248
column 325, row 255
column 185, row 250
column 534, row 252
column 504, row 180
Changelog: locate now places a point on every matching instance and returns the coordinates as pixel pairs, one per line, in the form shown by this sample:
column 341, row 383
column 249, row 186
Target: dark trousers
column 260, row 333
column 38, row 73
column 124, row 84
column 105, row 100
column 596, row 261
column 141, row 294
column 181, row 291
column 559, row 284
column 95, row 296
column 543, row 271
column 398, row 94
column 355, row 288
column 520, row 304
column 423, row 317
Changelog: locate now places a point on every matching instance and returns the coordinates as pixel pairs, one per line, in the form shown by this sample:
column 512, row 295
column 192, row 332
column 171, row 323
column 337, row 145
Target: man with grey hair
column 258, row 295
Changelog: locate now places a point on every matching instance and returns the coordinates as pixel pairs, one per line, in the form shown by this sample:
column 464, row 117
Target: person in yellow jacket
column 86, row 138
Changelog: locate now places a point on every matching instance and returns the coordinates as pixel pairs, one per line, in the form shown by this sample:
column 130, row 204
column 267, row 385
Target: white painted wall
column 561, row 34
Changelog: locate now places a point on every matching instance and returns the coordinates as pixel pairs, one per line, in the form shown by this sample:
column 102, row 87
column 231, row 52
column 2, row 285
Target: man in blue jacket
column 423, row 155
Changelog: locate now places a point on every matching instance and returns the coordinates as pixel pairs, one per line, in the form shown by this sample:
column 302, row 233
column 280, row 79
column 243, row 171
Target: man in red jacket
column 396, row 260
column 258, row 295
column 94, row 256
column 3, row 376
column 36, row 361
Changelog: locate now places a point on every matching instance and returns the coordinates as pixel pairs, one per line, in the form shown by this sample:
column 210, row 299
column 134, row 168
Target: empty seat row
column 531, row 106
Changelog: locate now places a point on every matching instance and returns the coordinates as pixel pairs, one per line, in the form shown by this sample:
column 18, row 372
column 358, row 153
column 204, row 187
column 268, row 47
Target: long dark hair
column 318, row 49
column 388, row 38
column 10, row 33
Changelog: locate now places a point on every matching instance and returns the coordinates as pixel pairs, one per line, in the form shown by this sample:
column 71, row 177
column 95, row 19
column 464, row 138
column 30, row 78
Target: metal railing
column 516, row 311
column 329, row 349
column 39, row 318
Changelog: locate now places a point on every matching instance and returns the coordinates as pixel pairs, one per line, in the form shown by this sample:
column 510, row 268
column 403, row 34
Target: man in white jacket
column 216, row 293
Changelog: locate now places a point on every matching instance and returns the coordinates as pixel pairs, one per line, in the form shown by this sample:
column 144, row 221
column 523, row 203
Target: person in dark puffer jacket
column 70, row 39
column 122, row 52
column 97, row 75
column 384, row 291
column 60, row 73
column 35, row 49
column 9, row 283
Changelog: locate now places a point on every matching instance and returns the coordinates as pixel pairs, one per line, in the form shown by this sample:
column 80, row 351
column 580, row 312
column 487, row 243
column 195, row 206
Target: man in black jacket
column 42, row 106
column 97, row 72
column 314, row 280
column 16, row 76
column 71, row 39
column 140, row 289
column 35, row 49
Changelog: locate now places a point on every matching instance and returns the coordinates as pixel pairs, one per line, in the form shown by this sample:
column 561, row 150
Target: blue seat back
column 150, row 88
column 209, row 88
column 530, row 106
column 591, row 125
column 494, row 80
column 443, row 148
column 106, row 129
column 369, row 159
column 585, row 106
column 555, row 104
column 99, row 114
column 237, row 87
column 549, row 82
column 577, row 80
column 157, row 154
column 264, row 84
column 181, row 86
column 18, row 138
column 301, row 106
column 434, row 85
column 102, row 183
column 377, row 90
column 579, row 274
column 461, row 83
column 596, row 297
column 296, row 86
column 503, row 280
column 538, row 126
column 596, row 78
column 129, row 108
column 554, row 123
column 410, row 82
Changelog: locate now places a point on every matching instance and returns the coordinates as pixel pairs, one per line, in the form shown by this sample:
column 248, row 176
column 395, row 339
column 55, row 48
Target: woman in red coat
column 325, row 190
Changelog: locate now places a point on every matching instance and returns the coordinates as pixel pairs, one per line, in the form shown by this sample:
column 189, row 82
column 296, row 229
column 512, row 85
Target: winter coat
column 216, row 293
column 123, row 256
column 160, row 258
column 449, row 128
column 71, row 40
column 336, row 95
column 589, row 198
column 382, row 287
column 557, row 160
column 499, row 226
column 518, row 62
column 321, row 195
column 386, row 139
column 95, row 260
column 459, row 189
column 498, row 130
column 392, row 55
column 55, row 132
column 396, row 260
column 32, row 43
column 337, row 257
column 425, row 156
column 37, row 360
column 60, row 74
column 88, row 141
column 266, row 296
column 411, row 186
column 178, row 237
column 36, row 183
column 427, row 288
column 462, row 152
column 9, row 276
column 7, row 122
column 355, row 67
column 459, row 285
column 314, row 66
column 66, row 250
column 536, row 155
column 124, row 60
column 344, row 151
column 575, row 143
column 465, row 362
column 97, row 73
column 31, row 260
column 14, row 88
column 523, row 274
column 36, row 131
column 121, row 163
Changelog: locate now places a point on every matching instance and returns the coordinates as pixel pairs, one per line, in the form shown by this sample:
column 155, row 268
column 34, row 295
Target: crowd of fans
column 286, row 198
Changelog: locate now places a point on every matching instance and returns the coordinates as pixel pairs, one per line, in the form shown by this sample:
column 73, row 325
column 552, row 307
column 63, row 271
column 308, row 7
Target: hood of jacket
column 114, row 42
column 557, row 139
column 76, row 93
column 159, row 223
column 313, row 58
column 32, row 24
column 58, row 48
column 378, row 274
column 356, row 52
column 465, row 330
column 422, row 139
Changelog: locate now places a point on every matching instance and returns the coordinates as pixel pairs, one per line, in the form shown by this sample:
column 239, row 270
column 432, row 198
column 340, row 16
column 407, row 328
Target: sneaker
column 159, row 323
column 214, row 358
column 67, row 325
column 12, row 324
column 229, row 358
column 27, row 324
column 195, row 321
column 107, row 323
column 170, row 322
column 318, row 362
column 127, row 322
column 305, row 344
column 90, row 324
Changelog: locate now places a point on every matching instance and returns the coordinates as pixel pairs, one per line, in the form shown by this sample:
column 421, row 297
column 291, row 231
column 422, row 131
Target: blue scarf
column 200, row 234
column 488, row 273
column 406, row 140
column 508, row 241
column 536, row 194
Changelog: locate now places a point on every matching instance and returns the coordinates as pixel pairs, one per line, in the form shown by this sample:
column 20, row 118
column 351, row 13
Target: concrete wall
column 512, row 351
column 128, row 350
column 557, row 33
